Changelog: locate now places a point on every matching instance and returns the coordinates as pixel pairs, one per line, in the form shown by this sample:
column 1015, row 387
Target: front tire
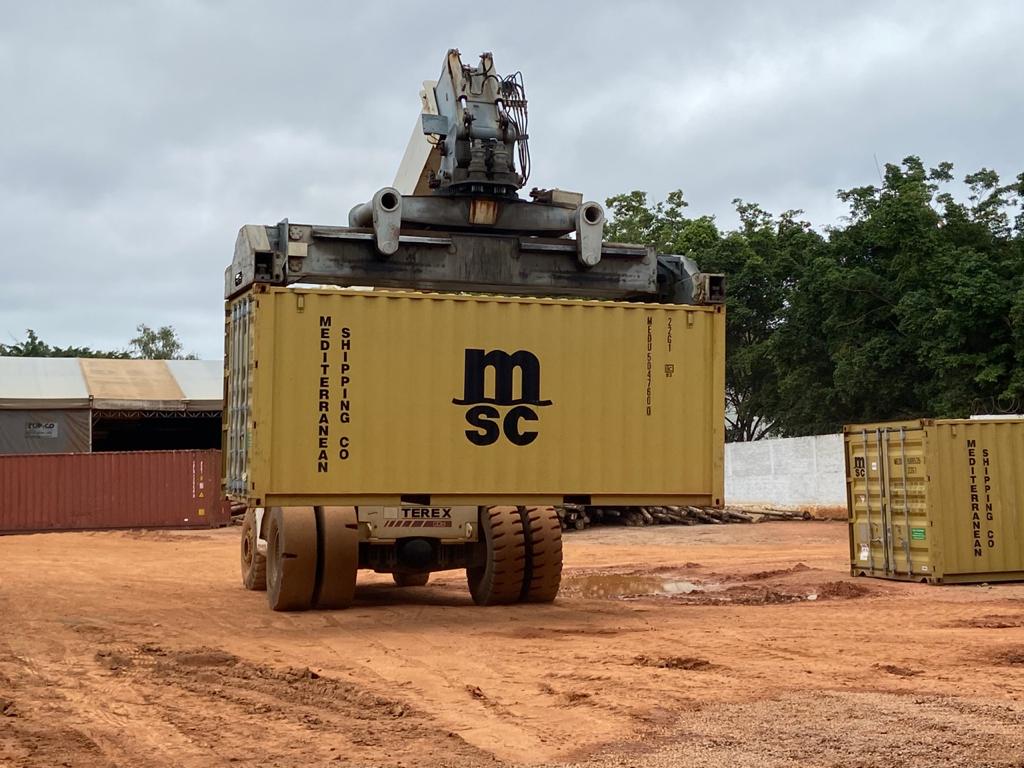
column 291, row 558
column 254, row 563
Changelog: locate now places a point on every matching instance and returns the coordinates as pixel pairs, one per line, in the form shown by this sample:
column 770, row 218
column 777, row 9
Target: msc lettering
column 484, row 414
column 485, row 420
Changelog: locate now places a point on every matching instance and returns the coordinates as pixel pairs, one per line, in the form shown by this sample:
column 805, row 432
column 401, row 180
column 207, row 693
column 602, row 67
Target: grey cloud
column 137, row 138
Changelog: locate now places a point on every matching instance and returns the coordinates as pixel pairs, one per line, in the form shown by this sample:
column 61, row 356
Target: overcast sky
column 137, row 137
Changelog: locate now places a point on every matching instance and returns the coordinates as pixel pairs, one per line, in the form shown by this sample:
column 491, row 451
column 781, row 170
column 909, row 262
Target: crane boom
column 454, row 220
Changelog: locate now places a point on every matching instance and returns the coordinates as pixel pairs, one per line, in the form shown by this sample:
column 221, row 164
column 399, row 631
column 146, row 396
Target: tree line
column 150, row 344
column 913, row 307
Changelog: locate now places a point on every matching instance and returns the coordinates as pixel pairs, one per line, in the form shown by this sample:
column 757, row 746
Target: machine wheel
column 291, row 558
column 254, row 564
column 338, row 545
column 544, row 538
column 411, row 579
column 500, row 580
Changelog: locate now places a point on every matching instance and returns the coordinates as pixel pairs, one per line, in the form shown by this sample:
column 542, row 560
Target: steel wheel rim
column 247, row 548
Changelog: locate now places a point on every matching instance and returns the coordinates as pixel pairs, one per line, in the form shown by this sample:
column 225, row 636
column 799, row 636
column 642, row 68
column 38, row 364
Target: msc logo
column 484, row 414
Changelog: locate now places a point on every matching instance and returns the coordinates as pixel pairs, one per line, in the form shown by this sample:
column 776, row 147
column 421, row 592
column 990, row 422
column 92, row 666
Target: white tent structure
column 77, row 405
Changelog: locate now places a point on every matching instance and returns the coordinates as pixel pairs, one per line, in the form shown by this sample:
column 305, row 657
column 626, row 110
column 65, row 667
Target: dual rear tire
column 523, row 557
column 313, row 554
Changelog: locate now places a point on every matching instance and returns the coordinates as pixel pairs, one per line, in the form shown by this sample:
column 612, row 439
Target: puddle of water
column 618, row 585
column 680, row 587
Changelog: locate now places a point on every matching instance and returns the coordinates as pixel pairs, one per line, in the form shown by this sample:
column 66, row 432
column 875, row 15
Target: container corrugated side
column 937, row 500
column 238, row 371
column 888, row 500
column 369, row 397
column 84, row 491
column 977, row 488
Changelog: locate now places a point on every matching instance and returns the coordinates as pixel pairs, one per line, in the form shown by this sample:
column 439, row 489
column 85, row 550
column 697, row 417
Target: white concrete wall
column 792, row 471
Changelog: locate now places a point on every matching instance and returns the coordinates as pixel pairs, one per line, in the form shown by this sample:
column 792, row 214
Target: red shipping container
column 90, row 491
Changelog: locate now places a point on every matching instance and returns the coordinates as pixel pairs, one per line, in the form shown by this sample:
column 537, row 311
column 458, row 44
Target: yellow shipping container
column 358, row 397
column 936, row 500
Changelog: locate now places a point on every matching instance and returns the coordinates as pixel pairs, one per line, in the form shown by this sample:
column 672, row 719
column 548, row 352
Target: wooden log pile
column 237, row 512
column 577, row 516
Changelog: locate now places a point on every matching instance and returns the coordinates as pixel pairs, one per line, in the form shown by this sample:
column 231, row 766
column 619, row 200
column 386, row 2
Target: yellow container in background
column 372, row 397
column 937, row 500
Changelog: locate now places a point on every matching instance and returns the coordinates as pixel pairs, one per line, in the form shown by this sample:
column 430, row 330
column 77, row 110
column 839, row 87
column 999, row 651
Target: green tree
column 913, row 307
column 158, row 344
column 913, row 310
column 33, row 346
column 154, row 344
column 760, row 261
column 763, row 261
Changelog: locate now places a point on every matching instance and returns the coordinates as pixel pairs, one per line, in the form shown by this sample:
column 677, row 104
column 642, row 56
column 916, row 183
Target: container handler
column 471, row 263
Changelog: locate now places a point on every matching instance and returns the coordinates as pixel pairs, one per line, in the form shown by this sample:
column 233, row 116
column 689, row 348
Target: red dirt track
column 736, row 645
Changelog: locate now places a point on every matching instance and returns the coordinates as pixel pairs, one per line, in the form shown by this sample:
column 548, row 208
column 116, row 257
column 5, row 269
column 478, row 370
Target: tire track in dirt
column 485, row 698
column 148, row 706
column 132, row 651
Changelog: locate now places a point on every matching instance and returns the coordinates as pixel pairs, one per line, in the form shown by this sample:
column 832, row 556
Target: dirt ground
column 738, row 645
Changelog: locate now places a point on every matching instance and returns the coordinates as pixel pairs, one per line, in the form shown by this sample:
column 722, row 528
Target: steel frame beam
column 287, row 254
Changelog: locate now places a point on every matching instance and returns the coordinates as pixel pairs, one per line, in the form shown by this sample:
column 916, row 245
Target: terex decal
column 433, row 513
column 485, row 413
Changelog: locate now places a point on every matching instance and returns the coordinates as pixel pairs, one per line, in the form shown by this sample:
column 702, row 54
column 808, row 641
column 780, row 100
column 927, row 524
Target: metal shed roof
column 201, row 382
column 42, row 382
column 111, row 384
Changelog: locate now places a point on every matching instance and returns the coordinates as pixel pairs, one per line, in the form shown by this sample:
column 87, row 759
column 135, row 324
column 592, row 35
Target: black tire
column 291, row 558
column 411, row 579
column 500, row 580
column 544, row 537
column 338, row 542
column 254, row 564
